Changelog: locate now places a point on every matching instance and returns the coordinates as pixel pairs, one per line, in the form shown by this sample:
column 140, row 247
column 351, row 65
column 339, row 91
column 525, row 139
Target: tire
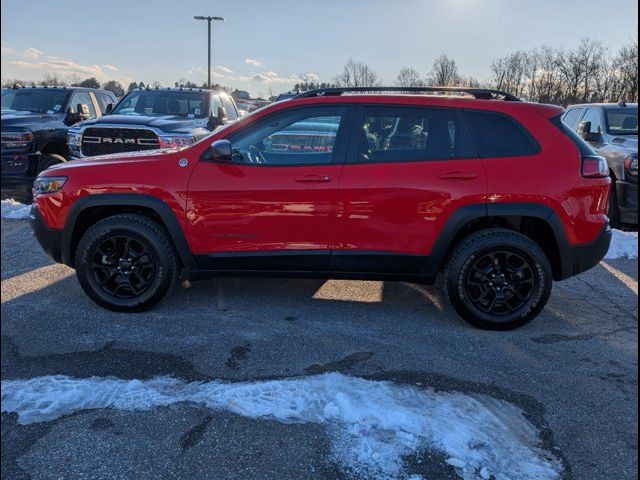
column 126, row 248
column 614, row 206
column 519, row 291
column 48, row 160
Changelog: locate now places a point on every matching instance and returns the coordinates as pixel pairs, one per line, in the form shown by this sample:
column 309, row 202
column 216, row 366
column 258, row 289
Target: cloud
column 253, row 62
column 223, row 69
column 110, row 67
column 309, row 77
column 33, row 53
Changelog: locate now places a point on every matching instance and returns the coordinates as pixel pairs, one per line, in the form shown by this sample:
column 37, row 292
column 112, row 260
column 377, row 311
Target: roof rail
column 478, row 93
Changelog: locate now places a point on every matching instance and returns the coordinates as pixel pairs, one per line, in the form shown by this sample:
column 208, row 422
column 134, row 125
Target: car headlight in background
column 176, row 141
column 631, row 165
column 18, row 141
column 48, row 184
column 73, row 140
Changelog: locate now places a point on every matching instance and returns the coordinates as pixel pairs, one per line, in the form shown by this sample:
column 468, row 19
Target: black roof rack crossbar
column 478, row 93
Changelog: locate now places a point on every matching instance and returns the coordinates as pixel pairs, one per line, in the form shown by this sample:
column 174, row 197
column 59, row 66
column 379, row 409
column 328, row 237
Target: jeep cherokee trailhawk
column 373, row 183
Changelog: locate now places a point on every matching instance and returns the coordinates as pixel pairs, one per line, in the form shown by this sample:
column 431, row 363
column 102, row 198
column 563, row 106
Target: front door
column 273, row 207
column 409, row 169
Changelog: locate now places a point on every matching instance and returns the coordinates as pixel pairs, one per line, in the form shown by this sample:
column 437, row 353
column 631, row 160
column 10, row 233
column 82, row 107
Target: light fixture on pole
column 209, row 20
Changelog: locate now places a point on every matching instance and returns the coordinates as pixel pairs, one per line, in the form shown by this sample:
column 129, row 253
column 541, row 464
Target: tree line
column 587, row 73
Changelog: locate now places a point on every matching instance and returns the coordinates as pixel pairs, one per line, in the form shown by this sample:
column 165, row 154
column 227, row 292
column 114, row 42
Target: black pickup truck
column 152, row 118
column 35, row 121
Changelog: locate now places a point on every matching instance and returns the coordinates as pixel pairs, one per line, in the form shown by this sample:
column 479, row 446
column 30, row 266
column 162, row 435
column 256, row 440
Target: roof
column 56, row 87
column 604, row 105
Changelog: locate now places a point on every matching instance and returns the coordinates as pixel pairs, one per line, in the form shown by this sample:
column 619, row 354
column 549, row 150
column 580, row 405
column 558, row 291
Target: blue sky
column 268, row 45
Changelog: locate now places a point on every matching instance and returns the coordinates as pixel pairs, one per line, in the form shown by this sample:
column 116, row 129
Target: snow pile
column 623, row 245
column 13, row 209
column 374, row 424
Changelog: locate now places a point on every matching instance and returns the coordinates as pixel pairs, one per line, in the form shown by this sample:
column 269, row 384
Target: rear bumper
column 49, row 239
column 627, row 201
column 581, row 258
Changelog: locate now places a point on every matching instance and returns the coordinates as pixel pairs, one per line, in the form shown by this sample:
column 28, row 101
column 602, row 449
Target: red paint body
column 392, row 207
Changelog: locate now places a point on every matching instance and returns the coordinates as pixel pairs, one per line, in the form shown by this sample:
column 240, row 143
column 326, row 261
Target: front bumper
column 49, row 239
column 584, row 257
column 19, row 167
column 627, row 201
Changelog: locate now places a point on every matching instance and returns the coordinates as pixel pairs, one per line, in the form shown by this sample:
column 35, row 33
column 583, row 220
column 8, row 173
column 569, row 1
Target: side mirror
column 83, row 111
column 109, row 108
column 219, row 119
column 220, row 151
column 584, row 130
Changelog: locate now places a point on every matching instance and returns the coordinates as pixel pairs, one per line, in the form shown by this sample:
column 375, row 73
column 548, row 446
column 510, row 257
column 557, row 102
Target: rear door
column 409, row 169
column 274, row 206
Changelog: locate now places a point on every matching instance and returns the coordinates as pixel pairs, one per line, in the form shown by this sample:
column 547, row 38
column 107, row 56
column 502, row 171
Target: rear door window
column 498, row 135
column 594, row 115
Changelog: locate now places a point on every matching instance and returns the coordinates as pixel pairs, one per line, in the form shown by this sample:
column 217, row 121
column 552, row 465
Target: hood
column 629, row 142
column 28, row 119
column 166, row 123
column 114, row 158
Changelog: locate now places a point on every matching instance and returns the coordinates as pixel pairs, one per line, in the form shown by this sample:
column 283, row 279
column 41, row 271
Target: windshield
column 622, row 121
column 34, row 100
column 154, row 102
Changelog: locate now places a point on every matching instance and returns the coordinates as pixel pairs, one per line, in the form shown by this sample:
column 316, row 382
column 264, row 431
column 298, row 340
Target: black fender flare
column 161, row 208
column 461, row 217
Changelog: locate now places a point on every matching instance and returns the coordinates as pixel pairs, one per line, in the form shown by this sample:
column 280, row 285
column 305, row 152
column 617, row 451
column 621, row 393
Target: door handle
column 313, row 179
column 457, row 176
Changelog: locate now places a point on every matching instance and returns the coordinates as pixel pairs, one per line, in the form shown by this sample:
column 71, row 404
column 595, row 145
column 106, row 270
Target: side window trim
column 96, row 104
column 465, row 152
column 342, row 137
column 536, row 148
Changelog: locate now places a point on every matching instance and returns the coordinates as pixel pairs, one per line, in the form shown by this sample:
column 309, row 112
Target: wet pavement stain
column 339, row 365
column 237, row 356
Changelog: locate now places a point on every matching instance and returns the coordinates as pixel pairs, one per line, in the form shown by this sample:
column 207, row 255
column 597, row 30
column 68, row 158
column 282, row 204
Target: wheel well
column 59, row 148
column 535, row 228
column 89, row 216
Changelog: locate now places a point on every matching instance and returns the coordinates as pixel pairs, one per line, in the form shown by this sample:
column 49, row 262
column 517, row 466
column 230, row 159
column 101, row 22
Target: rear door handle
column 313, row 179
column 457, row 176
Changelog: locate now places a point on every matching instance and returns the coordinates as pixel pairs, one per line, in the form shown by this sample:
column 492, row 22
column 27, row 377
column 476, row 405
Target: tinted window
column 83, row 97
column 229, row 106
column 407, row 134
column 298, row 137
column 103, row 100
column 594, row 116
column 162, row 102
column 499, row 136
column 622, row 121
column 572, row 117
column 35, row 100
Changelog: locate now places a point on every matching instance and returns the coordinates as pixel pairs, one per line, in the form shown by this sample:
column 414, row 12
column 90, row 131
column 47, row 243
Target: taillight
column 631, row 165
column 594, row 166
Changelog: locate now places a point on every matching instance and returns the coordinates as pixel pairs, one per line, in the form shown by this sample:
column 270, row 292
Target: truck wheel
column 498, row 279
column 126, row 263
column 48, row 160
column 614, row 207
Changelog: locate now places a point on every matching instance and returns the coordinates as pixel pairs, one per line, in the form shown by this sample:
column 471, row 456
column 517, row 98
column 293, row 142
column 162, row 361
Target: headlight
column 175, row 141
column 48, row 184
column 17, row 140
column 73, row 140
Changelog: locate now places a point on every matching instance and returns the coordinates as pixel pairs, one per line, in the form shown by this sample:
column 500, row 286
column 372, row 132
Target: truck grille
column 100, row 141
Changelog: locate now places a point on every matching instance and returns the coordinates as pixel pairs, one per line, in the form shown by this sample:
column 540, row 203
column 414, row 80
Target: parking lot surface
column 572, row 372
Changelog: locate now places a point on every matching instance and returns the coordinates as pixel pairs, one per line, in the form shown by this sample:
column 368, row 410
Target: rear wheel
column 498, row 279
column 126, row 263
column 48, row 160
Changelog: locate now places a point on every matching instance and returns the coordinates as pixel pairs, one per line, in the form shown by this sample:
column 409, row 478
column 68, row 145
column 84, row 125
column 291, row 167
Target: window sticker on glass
column 57, row 107
column 196, row 111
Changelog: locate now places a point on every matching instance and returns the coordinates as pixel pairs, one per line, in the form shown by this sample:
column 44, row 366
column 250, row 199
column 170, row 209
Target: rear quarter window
column 498, row 135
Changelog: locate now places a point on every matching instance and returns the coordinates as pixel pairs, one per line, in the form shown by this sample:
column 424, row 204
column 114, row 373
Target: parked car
column 612, row 130
column 150, row 119
column 498, row 195
column 35, row 121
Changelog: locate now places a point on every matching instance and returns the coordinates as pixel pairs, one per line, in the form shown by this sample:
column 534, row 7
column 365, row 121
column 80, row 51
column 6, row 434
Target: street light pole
column 209, row 20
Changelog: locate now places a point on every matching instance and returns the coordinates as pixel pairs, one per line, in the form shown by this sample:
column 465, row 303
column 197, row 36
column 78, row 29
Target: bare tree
column 626, row 67
column 75, row 79
column 357, row 74
column 444, row 72
column 51, row 80
column 508, row 73
column 409, row 77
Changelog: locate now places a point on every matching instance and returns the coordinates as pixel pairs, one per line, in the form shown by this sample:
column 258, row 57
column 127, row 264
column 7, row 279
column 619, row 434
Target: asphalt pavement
column 573, row 371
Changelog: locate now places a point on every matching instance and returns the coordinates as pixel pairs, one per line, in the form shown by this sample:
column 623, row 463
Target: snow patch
column 12, row 209
column 373, row 424
column 623, row 245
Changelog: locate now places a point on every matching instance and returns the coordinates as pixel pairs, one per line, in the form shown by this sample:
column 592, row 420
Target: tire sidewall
column 94, row 237
column 458, row 271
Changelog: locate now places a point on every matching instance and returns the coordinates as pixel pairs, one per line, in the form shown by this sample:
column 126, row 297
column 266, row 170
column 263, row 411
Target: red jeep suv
column 362, row 183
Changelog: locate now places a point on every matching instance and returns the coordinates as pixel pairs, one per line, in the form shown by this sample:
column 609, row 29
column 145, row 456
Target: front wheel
column 498, row 279
column 48, row 160
column 126, row 263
